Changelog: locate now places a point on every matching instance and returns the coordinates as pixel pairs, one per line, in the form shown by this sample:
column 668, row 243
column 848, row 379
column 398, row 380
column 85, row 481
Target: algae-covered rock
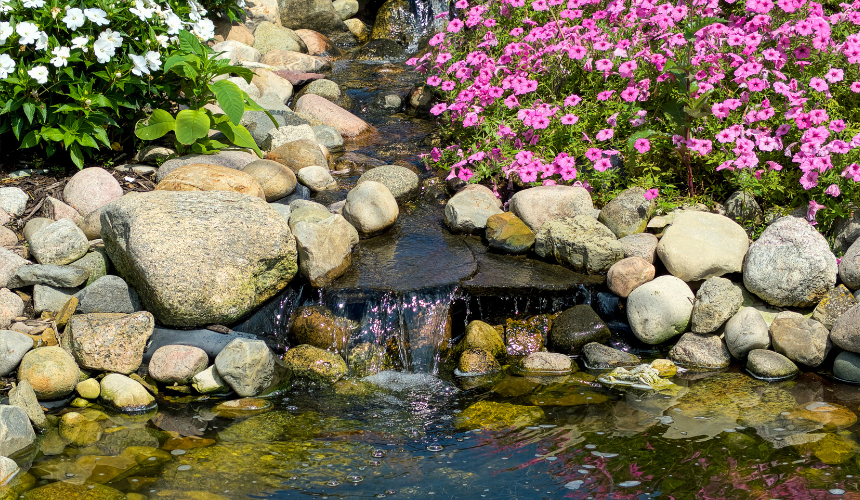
column 244, row 407
column 68, row 491
column 480, row 335
column 832, row 448
column 601, row 357
column 368, row 359
column 523, row 337
column 80, row 429
column 319, row 327
column 831, row 415
column 477, row 362
column 575, row 327
column 490, row 415
column 546, row 363
column 315, row 365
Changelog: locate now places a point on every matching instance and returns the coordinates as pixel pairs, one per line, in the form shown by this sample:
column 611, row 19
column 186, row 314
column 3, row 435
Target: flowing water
column 418, row 431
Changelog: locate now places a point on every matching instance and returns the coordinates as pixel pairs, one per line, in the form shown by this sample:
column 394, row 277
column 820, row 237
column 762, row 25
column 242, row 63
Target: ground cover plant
column 693, row 97
column 76, row 76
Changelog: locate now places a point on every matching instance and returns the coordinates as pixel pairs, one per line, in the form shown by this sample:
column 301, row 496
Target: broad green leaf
column 250, row 105
column 101, row 134
column 87, row 141
column 77, row 156
column 158, row 124
column 52, row 134
column 240, row 71
column 29, row 110
column 68, row 108
column 191, row 125
column 30, row 140
column 188, row 42
column 230, row 98
column 239, row 135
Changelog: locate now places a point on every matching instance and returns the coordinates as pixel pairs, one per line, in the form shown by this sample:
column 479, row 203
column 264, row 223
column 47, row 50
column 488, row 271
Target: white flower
column 103, row 50
column 139, row 65
column 197, row 11
column 40, row 74
column 174, row 24
column 61, row 56
column 80, row 42
column 111, row 36
column 204, row 29
column 4, row 6
column 140, row 10
column 42, row 41
column 163, row 40
column 153, row 60
column 97, row 16
column 28, row 32
column 33, row 4
column 74, row 19
column 7, row 65
column 5, row 31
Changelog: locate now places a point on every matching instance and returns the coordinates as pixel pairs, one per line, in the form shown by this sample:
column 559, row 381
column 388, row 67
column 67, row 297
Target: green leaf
column 250, row 105
column 52, row 134
column 29, row 110
column 239, row 135
column 158, row 124
column 230, row 98
column 240, row 71
column 191, row 125
column 87, row 141
column 101, row 134
column 188, row 42
column 77, row 156
column 179, row 59
column 641, row 134
column 30, row 140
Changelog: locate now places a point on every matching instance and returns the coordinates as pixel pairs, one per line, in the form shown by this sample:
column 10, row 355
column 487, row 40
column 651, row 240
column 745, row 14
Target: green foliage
column 194, row 63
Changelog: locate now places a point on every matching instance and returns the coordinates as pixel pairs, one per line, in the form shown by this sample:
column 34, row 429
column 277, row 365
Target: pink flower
column 642, row 145
column 465, row 174
column 818, row 84
column 652, row 193
column 630, row 94
column 837, row 125
column 512, row 102
column 809, row 179
column 437, row 39
column 835, row 75
column 569, row 119
column 756, row 84
column 573, row 100
column 605, row 134
column 539, row 5
column 461, row 4
column 438, row 109
column 855, row 87
column 470, row 119
column 602, row 165
column 434, row 81
column 603, row 65
column 447, row 85
column 593, row 154
column 605, row 95
column 814, row 207
column 455, row 25
column 832, row 190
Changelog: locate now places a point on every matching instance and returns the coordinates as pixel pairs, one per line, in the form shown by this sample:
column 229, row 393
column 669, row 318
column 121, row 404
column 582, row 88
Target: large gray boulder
column 833, row 305
column 770, row 365
column 717, row 300
column 403, row 183
column 846, row 330
column 248, row 366
column 108, row 342
column 745, row 331
column 198, row 258
column 468, row 210
column 700, row 245
column 371, row 208
column 579, row 242
column 701, row 351
column 790, row 265
column 628, row 213
column 47, row 274
column 800, row 339
column 539, row 204
column 13, row 347
column 849, row 266
column 16, row 433
column 317, row 15
column 59, row 243
column 660, row 309
column 325, row 248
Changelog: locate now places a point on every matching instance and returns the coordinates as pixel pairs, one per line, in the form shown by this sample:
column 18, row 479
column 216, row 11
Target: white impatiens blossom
column 97, row 16
column 41, row 41
column 141, row 10
column 74, row 19
column 5, row 31
column 204, row 29
column 153, row 60
column 40, row 74
column 104, row 50
column 7, row 65
column 163, row 40
column 33, row 4
column 174, row 24
column 61, row 56
column 114, row 37
column 139, row 65
column 5, row 6
column 28, row 32
column 197, row 11
column 80, row 42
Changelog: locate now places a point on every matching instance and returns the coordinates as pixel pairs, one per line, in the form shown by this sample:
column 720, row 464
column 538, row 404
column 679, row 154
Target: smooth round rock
column 743, row 208
column 206, row 177
column 846, row 330
column 642, row 245
column 90, row 189
column 124, row 393
column 34, row 225
column 51, row 371
column 628, row 213
column 277, row 180
column 701, row 245
column 660, row 309
column 800, row 339
column 539, row 204
column 177, row 363
column 246, row 365
column 849, row 266
column 508, row 233
column 371, row 208
column 846, row 366
column 89, row 388
column 701, row 351
column 790, row 265
column 59, row 243
column 766, row 364
column 477, row 361
column 601, row 357
column 329, row 113
column 315, row 365
column 545, row 363
column 480, row 335
column 717, row 300
column 13, row 200
column 403, row 183
column 298, row 155
column 745, row 331
column 316, row 178
column 628, row 274
column 13, row 347
column 576, row 327
column 468, row 211
column 580, row 242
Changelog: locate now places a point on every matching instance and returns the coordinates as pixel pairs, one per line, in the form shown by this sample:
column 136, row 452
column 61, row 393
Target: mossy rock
column 319, row 327
column 17, row 486
column 314, row 365
column 523, row 337
column 480, row 335
column 512, row 386
column 478, row 362
column 832, row 416
column 368, row 359
column 832, row 448
column 244, row 407
column 68, row 491
column 490, row 415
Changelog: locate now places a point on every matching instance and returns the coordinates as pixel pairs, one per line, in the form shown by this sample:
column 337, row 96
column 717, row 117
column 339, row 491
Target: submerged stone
column 319, row 327
column 576, row 327
column 831, row 415
column 242, row 407
column 766, row 364
column 67, row 491
column 315, row 365
column 546, row 363
column 490, row 415
column 477, row 362
column 480, row 335
column 600, row 357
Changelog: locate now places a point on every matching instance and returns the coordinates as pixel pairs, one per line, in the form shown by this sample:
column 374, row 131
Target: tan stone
column 275, row 178
column 329, row 113
column 318, row 44
column 225, row 30
column 267, row 81
column 298, row 154
column 205, row 177
column 627, row 274
column 295, row 61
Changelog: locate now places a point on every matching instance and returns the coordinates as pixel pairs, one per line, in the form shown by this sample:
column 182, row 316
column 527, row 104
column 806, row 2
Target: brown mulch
column 39, row 187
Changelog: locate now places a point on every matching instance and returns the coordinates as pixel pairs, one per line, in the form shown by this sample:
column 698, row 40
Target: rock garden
column 334, row 249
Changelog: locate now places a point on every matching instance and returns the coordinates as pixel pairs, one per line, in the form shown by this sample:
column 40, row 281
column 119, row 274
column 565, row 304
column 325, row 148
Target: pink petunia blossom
column 605, row 134
column 569, row 119
column 818, row 84
column 602, row 165
column 593, row 154
column 455, row 25
column 832, row 190
column 572, row 100
column 835, row 75
column 813, row 209
column 837, row 125
column 651, row 194
column 605, row 95
column 642, row 145
column 438, row 109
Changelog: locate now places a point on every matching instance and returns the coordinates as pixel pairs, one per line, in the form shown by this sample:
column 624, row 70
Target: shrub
column 699, row 95
column 76, row 76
